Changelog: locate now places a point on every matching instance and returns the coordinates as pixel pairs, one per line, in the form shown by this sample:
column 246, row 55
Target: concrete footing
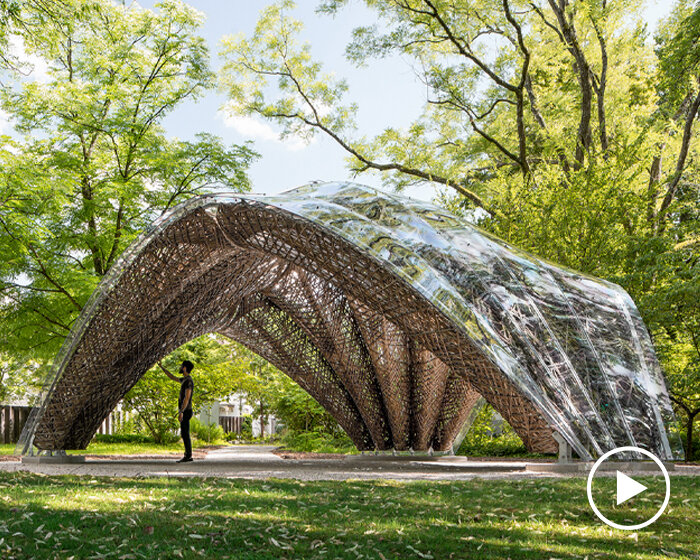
column 606, row 466
column 53, row 459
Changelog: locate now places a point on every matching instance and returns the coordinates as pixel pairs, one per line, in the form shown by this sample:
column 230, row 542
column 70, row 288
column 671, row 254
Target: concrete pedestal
column 53, row 459
column 606, row 466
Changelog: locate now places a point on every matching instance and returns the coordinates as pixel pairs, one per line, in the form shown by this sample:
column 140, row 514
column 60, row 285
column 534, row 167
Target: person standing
column 184, row 405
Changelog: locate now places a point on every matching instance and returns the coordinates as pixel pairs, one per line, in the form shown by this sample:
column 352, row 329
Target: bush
column 231, row 436
column 247, row 427
column 678, row 431
column 123, row 438
column 129, row 427
column 491, row 436
column 206, row 432
column 170, row 437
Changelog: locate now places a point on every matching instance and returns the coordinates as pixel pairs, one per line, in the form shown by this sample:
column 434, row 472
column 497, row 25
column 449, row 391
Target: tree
column 94, row 166
column 299, row 411
column 256, row 378
column 155, row 396
column 671, row 304
column 553, row 124
column 271, row 391
column 13, row 20
column 16, row 380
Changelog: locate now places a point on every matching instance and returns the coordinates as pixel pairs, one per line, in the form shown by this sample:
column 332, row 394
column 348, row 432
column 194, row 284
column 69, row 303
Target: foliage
column 123, row 438
column 491, row 436
column 247, row 427
column 270, row 391
column 554, row 125
column 231, row 437
column 89, row 165
column 257, row 379
column 17, row 381
column 128, row 426
column 300, row 412
column 318, row 441
column 155, row 396
column 209, row 433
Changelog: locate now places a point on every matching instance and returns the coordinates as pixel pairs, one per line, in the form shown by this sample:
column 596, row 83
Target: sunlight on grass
column 90, row 517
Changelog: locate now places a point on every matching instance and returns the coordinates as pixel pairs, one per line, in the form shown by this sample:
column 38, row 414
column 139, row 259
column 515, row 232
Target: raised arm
column 170, row 375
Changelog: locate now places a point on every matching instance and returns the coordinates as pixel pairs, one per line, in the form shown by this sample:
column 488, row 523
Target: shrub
column 231, row 436
column 206, row 432
column 129, row 426
column 123, row 438
column 247, row 427
column 491, row 436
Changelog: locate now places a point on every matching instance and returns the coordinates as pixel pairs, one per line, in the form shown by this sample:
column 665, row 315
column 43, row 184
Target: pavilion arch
column 394, row 315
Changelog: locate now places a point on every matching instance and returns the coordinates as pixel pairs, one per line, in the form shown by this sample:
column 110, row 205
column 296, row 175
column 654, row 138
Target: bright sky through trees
column 387, row 92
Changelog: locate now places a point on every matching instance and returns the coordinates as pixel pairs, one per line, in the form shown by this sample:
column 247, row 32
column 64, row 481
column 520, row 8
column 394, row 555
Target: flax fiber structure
column 396, row 316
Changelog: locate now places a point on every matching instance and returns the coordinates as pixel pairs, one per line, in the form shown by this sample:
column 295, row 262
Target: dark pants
column 185, row 432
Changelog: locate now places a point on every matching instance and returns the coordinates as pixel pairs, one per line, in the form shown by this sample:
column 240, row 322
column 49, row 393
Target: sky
column 387, row 92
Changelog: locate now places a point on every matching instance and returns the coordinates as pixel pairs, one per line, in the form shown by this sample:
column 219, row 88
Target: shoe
column 184, row 460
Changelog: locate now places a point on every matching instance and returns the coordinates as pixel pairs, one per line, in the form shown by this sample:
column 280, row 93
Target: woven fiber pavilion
column 396, row 316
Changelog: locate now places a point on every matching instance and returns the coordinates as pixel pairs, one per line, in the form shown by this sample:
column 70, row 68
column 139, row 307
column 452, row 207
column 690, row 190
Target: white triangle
column 627, row 488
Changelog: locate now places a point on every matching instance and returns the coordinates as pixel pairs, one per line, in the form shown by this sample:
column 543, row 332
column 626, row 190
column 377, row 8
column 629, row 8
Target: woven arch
column 385, row 310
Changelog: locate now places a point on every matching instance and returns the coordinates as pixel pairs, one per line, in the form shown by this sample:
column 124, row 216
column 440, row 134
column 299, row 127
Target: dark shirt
column 185, row 383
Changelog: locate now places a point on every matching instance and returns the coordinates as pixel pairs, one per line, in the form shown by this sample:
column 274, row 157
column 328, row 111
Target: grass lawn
column 69, row 516
column 99, row 448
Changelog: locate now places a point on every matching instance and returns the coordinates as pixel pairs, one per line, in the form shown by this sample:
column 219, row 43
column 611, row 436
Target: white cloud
column 248, row 126
column 253, row 128
column 4, row 121
column 37, row 67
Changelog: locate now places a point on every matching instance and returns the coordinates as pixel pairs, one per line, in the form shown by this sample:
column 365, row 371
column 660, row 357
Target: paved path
column 257, row 461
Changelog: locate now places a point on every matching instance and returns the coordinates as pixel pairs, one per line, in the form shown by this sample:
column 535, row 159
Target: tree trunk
column 689, row 437
column 262, row 422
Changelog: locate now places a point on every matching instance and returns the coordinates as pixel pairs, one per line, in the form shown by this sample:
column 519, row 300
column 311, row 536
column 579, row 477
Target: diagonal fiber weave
column 393, row 314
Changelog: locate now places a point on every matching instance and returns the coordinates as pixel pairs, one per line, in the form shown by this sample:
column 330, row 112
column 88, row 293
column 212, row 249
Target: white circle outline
column 612, row 523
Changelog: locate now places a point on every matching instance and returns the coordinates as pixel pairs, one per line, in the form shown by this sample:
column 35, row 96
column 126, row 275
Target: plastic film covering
column 397, row 317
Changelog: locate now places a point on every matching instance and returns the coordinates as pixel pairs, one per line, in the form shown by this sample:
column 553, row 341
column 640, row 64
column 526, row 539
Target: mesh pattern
column 394, row 316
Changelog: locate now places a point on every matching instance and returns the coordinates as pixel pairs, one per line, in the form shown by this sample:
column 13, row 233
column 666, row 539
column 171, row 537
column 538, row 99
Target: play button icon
column 627, row 488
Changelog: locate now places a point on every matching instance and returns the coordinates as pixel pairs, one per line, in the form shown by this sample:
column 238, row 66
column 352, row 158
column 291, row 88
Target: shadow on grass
column 275, row 518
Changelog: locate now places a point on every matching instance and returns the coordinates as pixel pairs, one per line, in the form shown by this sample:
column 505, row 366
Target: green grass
column 317, row 442
column 100, row 448
column 99, row 517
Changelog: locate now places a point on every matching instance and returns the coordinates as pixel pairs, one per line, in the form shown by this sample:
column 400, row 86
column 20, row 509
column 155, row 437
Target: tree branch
column 680, row 163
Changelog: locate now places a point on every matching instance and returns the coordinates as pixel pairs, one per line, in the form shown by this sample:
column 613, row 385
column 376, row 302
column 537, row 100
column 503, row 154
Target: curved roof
column 394, row 314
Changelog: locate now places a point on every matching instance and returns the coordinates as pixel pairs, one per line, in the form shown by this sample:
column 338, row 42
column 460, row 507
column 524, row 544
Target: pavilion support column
column 273, row 334
column 323, row 312
column 460, row 397
column 388, row 349
column 429, row 376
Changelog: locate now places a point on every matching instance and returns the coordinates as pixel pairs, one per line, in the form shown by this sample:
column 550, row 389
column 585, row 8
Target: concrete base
column 606, row 466
column 565, row 451
column 413, row 454
column 53, row 459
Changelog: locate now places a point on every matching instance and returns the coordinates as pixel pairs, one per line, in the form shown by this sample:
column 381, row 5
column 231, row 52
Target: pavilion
column 396, row 316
